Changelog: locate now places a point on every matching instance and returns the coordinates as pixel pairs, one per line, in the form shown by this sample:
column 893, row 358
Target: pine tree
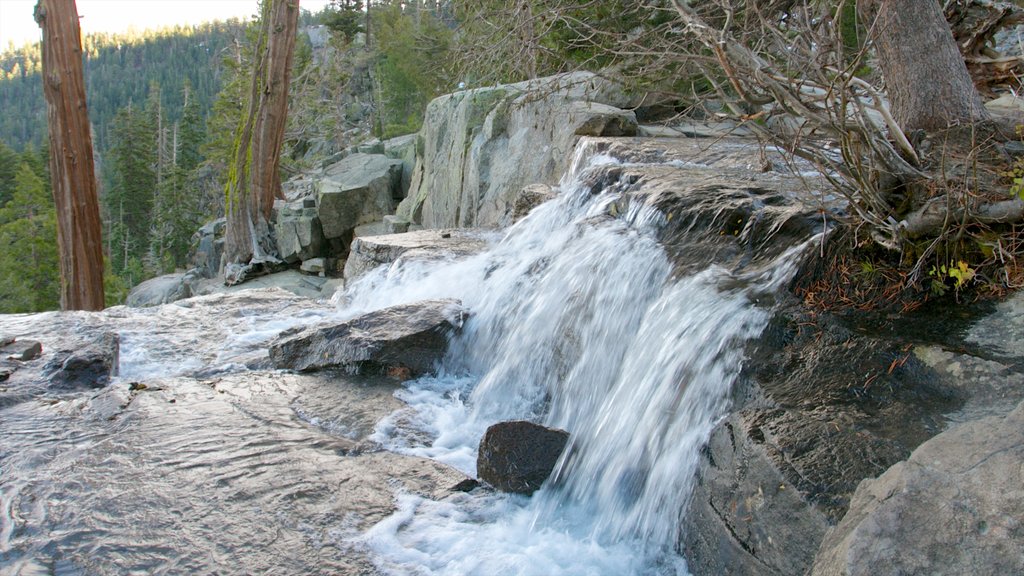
column 29, row 265
column 129, row 201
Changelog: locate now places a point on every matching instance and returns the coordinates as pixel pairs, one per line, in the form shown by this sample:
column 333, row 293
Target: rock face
column 208, row 247
column 408, row 339
column 481, row 146
column 746, row 517
column 519, row 456
column 360, row 189
column 955, row 507
column 528, row 198
column 90, row 367
column 819, row 409
column 371, row 251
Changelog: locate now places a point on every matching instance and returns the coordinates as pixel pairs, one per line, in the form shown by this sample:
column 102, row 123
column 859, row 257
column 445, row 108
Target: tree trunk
column 71, row 161
column 272, row 120
column 925, row 75
column 254, row 179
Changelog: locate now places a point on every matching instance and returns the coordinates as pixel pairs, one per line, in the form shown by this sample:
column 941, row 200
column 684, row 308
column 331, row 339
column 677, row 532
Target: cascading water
column 578, row 324
column 197, row 460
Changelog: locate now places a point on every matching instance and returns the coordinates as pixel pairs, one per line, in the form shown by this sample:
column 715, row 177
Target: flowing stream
column 578, row 322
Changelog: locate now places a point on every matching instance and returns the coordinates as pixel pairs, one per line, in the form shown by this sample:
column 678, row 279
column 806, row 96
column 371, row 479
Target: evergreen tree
column 129, row 201
column 29, row 265
column 191, row 132
column 9, row 164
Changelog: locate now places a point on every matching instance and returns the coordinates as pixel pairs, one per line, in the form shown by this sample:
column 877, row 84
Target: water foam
column 577, row 323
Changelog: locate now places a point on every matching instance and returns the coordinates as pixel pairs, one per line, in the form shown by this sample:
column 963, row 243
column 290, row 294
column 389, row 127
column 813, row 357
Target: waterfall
column 578, row 322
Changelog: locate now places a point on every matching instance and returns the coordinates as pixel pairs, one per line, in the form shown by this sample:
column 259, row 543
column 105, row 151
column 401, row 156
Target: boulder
column 161, row 290
column 20, row 350
column 519, row 456
column 89, row 367
column 297, row 231
column 319, row 266
column 956, row 506
column 409, row 336
column 369, row 252
column 594, row 119
column 360, row 189
column 481, row 146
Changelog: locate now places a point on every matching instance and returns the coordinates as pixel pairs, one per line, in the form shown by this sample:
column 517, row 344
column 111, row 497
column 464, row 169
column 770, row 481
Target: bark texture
column 255, row 175
column 926, row 79
column 71, row 160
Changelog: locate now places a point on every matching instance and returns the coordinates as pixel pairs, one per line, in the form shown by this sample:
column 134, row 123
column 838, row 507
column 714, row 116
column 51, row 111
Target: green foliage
column 132, row 174
column 115, row 289
column 29, row 267
column 959, row 274
column 408, row 73
column 344, row 17
column 9, row 164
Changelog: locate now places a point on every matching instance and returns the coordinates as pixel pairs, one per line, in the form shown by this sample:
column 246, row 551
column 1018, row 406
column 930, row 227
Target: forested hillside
column 119, row 68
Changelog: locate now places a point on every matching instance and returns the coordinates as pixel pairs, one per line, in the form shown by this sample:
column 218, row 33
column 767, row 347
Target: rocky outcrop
column 408, row 339
column 519, row 456
column 956, row 506
column 480, row 147
column 163, row 289
column 360, row 189
column 369, row 252
column 298, row 232
column 403, row 148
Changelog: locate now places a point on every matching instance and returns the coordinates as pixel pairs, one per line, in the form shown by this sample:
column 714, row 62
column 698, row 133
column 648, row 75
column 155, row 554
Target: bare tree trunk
column 273, row 111
column 926, row 79
column 254, row 175
column 71, row 161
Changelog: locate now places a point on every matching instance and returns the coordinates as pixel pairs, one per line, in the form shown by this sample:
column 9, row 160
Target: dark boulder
column 409, row 336
column 519, row 456
column 90, row 367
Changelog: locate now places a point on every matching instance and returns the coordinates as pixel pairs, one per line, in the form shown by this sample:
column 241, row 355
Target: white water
column 578, row 324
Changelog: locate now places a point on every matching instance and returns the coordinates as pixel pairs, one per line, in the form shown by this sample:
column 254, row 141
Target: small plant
column 960, row 274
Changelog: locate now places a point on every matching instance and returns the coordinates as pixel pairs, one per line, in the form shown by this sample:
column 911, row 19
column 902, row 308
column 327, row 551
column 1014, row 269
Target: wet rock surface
column 278, row 469
column 519, row 456
column 410, row 338
column 822, row 408
column 371, row 251
column 726, row 204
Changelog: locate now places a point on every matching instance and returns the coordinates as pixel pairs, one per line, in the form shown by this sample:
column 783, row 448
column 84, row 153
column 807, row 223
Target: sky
column 17, row 24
